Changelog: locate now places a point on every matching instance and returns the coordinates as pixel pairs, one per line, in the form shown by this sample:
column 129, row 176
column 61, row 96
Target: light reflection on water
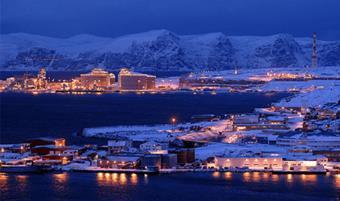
column 275, row 178
column 290, row 178
column 134, row 178
column 216, row 174
column 309, row 178
column 246, row 177
column 3, row 181
column 22, row 181
column 60, row 178
column 255, row 177
column 228, row 175
column 119, row 178
column 131, row 186
column 60, row 182
column 337, row 181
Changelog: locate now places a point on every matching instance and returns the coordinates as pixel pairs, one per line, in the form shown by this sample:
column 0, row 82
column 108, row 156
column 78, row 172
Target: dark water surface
column 173, row 187
column 25, row 116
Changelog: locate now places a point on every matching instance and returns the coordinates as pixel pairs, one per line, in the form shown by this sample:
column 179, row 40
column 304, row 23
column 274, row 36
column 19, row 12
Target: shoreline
column 175, row 171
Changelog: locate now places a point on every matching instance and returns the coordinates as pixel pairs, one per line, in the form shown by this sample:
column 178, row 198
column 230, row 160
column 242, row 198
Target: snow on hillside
column 298, row 85
column 316, row 98
column 162, row 132
column 161, row 49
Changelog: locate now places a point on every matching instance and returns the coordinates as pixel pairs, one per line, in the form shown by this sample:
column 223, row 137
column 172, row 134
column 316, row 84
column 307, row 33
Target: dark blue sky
column 64, row 18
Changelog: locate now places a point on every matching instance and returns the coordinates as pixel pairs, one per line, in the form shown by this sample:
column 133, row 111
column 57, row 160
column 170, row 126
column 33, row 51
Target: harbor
column 186, row 186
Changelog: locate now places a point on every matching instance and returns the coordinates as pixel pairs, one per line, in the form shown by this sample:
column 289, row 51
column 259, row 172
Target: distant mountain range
column 162, row 50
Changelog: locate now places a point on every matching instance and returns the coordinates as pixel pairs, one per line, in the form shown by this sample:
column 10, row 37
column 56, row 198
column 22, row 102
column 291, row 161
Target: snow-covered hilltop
column 162, row 50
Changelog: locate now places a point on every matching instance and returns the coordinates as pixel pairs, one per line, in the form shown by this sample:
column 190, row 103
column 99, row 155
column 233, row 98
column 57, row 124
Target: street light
column 173, row 121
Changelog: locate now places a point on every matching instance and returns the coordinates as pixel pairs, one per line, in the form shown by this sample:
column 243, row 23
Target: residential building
column 117, row 146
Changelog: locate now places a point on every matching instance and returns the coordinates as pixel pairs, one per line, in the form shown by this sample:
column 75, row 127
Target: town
column 132, row 100
column 98, row 80
column 297, row 135
column 101, row 81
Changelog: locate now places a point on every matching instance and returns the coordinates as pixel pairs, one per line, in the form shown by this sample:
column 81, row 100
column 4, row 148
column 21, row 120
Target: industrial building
column 169, row 161
column 151, row 161
column 315, row 142
column 251, row 162
column 245, row 119
column 132, row 81
column 304, row 163
column 58, row 142
column 119, row 161
column 97, row 79
column 184, row 156
column 159, row 161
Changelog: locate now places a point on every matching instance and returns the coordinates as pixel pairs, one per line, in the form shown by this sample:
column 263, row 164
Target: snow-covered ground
column 301, row 86
column 213, row 149
column 262, row 73
column 316, row 98
column 160, row 133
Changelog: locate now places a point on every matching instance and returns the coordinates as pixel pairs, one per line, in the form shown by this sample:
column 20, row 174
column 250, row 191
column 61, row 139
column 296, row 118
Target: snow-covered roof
column 114, row 143
column 276, row 118
column 13, row 145
column 123, row 158
column 50, row 147
column 51, row 139
column 302, row 156
column 314, row 137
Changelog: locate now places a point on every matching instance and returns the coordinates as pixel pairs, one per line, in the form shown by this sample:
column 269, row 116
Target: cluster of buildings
column 271, row 149
column 286, row 76
column 270, row 139
column 297, row 141
column 46, row 153
column 273, row 162
column 211, row 82
column 98, row 80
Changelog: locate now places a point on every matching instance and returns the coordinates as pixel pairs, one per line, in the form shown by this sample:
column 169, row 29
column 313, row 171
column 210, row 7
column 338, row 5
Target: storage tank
column 169, row 161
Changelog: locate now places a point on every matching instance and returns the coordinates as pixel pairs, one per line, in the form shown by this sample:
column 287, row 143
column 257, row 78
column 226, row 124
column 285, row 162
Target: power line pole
column 314, row 53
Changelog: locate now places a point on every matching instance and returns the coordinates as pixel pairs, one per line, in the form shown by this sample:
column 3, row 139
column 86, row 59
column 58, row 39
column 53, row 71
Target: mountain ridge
column 162, row 50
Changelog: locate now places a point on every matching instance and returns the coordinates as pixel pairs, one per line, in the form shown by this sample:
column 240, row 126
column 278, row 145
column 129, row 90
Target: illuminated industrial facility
column 132, row 81
column 97, row 79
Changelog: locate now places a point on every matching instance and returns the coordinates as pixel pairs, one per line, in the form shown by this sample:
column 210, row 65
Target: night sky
column 111, row 18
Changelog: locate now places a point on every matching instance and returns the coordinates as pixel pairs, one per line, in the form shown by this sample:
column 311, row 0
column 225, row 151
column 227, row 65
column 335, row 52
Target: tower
column 314, row 53
column 235, row 70
column 42, row 73
column 41, row 79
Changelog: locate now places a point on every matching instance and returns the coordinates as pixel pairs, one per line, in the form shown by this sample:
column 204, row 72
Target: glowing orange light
column 216, row 174
column 173, row 120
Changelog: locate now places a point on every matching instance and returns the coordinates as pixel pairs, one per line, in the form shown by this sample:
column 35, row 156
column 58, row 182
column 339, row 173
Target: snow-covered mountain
column 163, row 50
